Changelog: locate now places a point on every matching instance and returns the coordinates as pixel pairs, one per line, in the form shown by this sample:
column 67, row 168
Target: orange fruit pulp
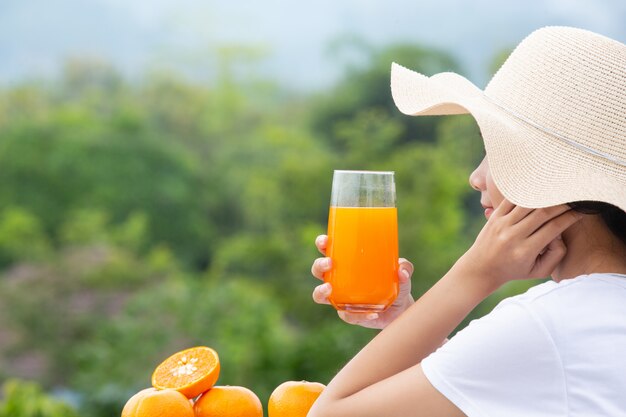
column 228, row 401
column 363, row 246
column 293, row 398
column 152, row 402
column 190, row 372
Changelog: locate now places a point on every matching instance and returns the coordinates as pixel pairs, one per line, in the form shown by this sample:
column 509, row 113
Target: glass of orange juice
column 363, row 241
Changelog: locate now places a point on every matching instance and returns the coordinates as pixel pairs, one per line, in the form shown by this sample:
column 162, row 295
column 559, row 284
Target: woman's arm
column 385, row 378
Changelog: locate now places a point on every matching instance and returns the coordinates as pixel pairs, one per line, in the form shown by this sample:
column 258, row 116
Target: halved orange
column 191, row 371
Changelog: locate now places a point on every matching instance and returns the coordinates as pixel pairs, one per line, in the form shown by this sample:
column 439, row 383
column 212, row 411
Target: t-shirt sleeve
column 504, row 364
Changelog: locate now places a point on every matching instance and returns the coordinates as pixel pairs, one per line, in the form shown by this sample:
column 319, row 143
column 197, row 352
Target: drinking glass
column 363, row 241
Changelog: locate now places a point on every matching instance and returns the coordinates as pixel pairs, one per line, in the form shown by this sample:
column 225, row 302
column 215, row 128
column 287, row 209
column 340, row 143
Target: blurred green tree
column 364, row 87
column 139, row 219
column 22, row 237
column 27, row 399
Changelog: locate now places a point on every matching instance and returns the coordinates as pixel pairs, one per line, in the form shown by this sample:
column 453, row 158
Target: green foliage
column 365, row 87
column 139, row 219
column 26, row 399
column 21, row 237
column 499, row 59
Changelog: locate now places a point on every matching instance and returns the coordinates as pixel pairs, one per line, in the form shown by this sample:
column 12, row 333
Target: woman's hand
column 518, row 243
column 370, row 320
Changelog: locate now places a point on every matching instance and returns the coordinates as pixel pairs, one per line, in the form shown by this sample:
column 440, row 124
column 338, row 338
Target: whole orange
column 228, row 401
column 151, row 402
column 293, row 398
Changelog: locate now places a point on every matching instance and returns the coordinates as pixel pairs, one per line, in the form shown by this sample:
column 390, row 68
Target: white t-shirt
column 557, row 350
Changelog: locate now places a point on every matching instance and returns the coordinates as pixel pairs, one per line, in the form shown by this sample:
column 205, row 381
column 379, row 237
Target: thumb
column 553, row 254
column 405, row 271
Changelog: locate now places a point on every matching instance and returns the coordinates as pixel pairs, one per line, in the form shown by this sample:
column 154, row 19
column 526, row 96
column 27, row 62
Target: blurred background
column 165, row 167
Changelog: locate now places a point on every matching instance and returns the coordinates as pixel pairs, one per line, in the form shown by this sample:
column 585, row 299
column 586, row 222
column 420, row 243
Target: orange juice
column 363, row 246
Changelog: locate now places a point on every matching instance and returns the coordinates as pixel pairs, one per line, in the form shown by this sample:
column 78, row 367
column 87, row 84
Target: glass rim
column 348, row 171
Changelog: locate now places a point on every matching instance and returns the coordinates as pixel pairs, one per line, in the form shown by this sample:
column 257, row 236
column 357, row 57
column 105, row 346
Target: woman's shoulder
column 556, row 344
column 583, row 288
column 580, row 305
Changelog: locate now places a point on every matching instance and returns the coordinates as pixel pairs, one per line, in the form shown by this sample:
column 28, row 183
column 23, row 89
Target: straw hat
column 553, row 117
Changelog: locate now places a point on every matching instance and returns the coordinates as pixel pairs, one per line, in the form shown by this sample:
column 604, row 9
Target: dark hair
column 613, row 217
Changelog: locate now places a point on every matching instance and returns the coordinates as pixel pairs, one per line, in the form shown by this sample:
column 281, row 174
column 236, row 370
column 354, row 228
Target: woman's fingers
column 320, row 265
column 405, row 270
column 518, row 213
column 503, row 209
column 514, row 213
column 549, row 258
column 553, row 228
column 321, row 293
column 538, row 217
column 321, row 241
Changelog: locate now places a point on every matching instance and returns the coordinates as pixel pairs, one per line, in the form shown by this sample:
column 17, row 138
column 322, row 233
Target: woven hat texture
column 553, row 118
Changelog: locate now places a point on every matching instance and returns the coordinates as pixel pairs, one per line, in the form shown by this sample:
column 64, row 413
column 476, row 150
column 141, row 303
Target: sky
column 38, row 36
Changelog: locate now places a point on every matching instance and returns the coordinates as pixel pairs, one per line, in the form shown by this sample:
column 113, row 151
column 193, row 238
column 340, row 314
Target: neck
column 591, row 248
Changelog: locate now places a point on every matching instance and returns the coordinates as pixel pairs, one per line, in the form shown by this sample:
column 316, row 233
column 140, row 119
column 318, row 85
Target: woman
column 553, row 185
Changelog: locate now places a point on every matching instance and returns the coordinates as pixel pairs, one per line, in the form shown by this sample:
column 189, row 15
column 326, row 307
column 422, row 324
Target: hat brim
column 530, row 167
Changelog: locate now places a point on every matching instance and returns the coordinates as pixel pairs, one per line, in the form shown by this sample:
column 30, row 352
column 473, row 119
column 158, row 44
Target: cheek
column 494, row 193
